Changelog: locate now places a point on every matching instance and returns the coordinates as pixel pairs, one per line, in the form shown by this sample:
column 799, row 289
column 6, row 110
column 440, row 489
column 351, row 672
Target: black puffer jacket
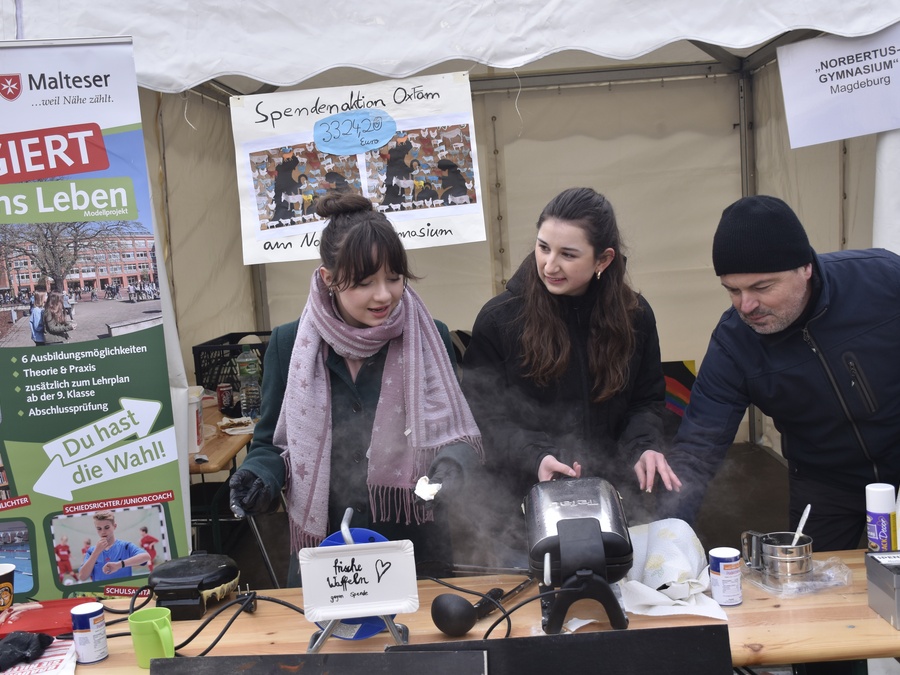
column 521, row 422
column 831, row 383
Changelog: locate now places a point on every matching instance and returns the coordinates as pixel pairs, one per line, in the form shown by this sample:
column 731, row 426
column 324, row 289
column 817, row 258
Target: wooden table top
column 833, row 624
column 221, row 449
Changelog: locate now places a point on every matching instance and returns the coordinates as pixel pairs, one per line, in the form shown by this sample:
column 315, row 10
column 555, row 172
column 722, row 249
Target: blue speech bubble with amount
column 354, row 132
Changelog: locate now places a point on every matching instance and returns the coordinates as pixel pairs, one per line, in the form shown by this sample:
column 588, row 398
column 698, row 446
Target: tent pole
column 748, row 188
column 260, row 297
column 748, row 147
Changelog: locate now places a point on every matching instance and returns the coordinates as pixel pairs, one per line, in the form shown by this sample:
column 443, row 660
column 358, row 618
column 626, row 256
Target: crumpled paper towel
column 669, row 572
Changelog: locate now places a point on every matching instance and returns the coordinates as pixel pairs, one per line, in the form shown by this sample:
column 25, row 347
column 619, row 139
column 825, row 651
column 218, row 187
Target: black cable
column 136, row 595
column 247, row 601
column 131, row 607
column 278, row 601
column 504, row 612
column 243, row 601
column 524, row 602
column 115, row 621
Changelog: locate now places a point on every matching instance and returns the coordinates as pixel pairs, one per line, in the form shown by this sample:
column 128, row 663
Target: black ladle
column 455, row 616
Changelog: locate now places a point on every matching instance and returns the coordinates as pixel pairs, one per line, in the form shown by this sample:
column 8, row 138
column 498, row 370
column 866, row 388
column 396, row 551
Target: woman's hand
column 552, row 468
column 652, row 463
column 249, row 494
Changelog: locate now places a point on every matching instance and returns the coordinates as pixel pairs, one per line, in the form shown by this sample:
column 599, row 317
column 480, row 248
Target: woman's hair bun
column 335, row 203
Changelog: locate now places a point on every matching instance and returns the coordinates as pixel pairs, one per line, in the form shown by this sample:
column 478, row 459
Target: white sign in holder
column 358, row 581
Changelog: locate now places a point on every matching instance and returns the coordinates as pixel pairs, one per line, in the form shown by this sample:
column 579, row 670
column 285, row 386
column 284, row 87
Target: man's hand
column 649, row 465
column 113, row 566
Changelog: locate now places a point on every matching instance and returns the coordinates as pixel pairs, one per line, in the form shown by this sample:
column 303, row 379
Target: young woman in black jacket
column 563, row 370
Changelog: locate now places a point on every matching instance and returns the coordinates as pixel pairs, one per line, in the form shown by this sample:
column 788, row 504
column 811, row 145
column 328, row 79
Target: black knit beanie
column 759, row 234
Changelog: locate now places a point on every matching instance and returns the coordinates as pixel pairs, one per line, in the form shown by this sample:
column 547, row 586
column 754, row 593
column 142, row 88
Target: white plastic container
column 725, row 576
column 89, row 632
column 195, row 419
column 881, row 503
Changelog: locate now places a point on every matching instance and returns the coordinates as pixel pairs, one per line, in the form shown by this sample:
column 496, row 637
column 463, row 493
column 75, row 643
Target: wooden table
column 835, row 624
column 221, row 449
column 206, row 500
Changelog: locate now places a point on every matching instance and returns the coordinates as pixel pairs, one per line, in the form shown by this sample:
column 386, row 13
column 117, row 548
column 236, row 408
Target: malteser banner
column 836, row 88
column 90, row 497
column 407, row 145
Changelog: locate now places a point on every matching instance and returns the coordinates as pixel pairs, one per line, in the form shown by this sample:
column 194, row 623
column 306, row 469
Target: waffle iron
column 185, row 585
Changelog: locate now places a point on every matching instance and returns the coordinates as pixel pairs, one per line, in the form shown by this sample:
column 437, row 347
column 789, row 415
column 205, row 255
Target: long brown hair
column 55, row 308
column 546, row 347
column 358, row 241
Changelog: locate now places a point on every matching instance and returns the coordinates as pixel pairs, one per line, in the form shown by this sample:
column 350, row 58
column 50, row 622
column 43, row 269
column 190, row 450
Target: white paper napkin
column 670, row 572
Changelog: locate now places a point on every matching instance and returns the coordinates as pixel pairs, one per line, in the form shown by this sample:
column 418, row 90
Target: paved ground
column 91, row 319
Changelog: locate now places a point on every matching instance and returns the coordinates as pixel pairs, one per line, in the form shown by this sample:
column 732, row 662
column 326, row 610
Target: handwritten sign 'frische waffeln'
column 358, row 580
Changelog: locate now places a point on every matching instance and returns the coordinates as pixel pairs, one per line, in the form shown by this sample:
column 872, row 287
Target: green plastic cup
column 151, row 634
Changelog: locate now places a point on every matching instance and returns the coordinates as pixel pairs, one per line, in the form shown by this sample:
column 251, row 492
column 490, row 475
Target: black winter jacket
column 831, row 383
column 521, row 422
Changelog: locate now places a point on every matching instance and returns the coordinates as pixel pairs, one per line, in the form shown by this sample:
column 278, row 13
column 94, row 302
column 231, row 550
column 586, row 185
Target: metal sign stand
column 398, row 631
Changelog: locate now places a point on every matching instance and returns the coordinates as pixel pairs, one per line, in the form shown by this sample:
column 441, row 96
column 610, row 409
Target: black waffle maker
column 185, row 585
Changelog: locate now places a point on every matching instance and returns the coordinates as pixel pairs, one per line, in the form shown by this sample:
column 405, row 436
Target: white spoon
column 801, row 524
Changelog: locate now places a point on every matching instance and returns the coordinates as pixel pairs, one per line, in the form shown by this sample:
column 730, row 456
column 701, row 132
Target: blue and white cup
column 725, row 575
column 89, row 632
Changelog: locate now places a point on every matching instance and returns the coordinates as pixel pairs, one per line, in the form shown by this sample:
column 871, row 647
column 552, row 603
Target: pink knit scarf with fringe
column 420, row 410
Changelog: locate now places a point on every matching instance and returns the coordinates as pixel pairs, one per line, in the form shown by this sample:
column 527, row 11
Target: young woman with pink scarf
column 359, row 400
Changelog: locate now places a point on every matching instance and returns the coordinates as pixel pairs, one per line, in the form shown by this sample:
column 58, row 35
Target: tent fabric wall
column 663, row 158
column 666, row 154
column 190, row 159
column 831, row 185
column 646, row 146
column 178, row 378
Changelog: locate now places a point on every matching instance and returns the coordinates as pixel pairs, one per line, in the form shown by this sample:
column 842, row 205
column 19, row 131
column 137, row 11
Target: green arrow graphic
column 136, row 418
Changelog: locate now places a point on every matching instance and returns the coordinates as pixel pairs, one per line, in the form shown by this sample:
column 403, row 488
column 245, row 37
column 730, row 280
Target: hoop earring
column 599, row 274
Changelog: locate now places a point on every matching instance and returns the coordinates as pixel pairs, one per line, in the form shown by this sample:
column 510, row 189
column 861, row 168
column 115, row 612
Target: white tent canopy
column 180, row 45
column 670, row 107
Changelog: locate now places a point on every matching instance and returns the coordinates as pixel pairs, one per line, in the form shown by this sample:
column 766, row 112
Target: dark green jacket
column 353, row 412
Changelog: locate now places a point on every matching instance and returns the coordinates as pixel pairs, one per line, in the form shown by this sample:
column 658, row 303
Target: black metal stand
column 588, row 585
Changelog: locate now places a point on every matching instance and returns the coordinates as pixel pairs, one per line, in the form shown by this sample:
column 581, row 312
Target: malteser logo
column 10, row 86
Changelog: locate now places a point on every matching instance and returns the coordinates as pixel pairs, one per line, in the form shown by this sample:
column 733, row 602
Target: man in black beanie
column 762, row 235
column 813, row 341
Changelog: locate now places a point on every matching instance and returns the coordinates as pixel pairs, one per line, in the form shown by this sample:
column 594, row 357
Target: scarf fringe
column 300, row 539
column 398, row 504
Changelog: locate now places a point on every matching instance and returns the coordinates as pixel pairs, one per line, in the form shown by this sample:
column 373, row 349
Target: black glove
column 456, row 467
column 22, row 646
column 450, row 474
column 249, row 494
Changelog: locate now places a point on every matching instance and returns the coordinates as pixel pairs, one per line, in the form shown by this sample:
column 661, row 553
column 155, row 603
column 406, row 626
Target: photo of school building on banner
column 90, row 496
column 406, row 145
